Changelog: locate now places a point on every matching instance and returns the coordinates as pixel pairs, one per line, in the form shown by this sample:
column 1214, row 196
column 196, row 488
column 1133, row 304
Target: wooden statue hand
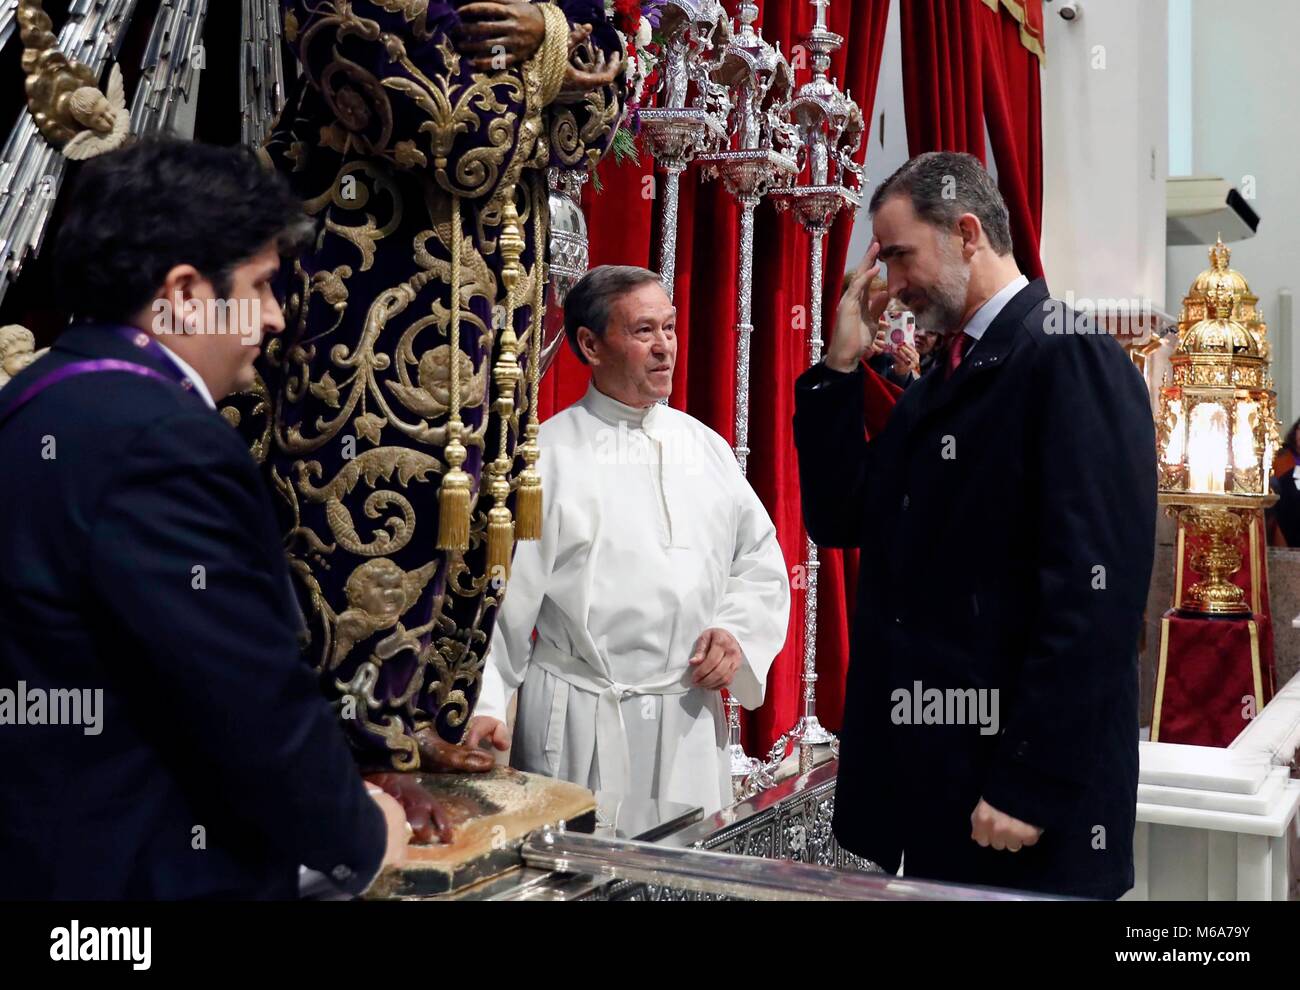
column 427, row 818
column 439, row 756
column 500, row 34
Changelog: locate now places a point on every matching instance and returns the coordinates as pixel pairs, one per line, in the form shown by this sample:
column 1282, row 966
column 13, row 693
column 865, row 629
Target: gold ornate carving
column 63, row 95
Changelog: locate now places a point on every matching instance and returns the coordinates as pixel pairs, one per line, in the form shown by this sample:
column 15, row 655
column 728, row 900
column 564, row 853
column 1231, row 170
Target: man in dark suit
column 1006, row 518
column 159, row 735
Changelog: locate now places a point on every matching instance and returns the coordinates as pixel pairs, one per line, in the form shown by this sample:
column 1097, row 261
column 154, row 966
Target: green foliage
column 625, row 146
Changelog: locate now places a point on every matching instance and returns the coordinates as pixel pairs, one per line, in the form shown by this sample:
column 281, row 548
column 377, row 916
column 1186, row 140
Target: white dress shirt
column 200, row 387
column 984, row 316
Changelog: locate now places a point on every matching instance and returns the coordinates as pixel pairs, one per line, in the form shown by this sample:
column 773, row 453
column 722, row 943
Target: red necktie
column 955, row 352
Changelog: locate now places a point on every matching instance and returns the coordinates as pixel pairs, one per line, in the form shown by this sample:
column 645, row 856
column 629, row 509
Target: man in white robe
column 658, row 580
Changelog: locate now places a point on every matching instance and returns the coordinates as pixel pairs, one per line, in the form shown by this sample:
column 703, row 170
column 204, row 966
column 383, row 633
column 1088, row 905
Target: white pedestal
column 1222, row 824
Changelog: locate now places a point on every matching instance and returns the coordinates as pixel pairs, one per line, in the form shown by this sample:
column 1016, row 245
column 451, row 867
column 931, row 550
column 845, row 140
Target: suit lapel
column 984, row 359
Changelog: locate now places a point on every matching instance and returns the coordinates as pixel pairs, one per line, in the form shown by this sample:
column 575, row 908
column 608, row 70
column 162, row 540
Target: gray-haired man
column 658, row 580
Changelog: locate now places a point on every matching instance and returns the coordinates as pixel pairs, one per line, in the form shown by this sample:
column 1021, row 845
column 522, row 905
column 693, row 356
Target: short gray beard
column 947, row 299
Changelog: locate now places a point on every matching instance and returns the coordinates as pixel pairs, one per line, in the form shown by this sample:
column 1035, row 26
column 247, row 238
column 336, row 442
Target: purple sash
column 138, row 337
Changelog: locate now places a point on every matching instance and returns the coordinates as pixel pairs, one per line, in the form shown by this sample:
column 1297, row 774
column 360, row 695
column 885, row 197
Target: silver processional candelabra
column 830, row 127
column 677, row 130
column 758, row 157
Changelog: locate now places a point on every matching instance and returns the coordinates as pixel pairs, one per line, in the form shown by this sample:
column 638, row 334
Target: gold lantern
column 1217, row 432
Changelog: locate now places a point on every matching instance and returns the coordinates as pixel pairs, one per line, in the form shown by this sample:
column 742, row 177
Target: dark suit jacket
column 1006, row 519
column 219, row 768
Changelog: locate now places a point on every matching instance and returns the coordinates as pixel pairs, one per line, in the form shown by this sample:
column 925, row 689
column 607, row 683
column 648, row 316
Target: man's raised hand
column 857, row 316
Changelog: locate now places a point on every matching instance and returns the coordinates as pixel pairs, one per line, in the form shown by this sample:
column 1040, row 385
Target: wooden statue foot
column 439, row 756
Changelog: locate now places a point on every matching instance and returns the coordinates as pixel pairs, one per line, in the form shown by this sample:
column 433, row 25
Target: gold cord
column 528, row 502
column 457, row 485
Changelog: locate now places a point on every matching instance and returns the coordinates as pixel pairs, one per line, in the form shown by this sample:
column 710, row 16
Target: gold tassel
column 528, row 497
column 501, row 530
column 454, row 496
column 457, row 488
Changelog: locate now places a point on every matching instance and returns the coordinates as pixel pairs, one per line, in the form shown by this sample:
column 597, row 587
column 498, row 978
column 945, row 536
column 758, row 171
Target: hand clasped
column 716, row 659
column 990, row 827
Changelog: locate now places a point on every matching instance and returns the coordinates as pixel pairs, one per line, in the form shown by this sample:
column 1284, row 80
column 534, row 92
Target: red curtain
column 972, row 63
column 624, row 223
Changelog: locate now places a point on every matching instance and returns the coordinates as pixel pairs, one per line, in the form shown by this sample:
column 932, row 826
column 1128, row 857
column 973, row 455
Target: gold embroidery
column 365, row 362
column 379, row 593
column 415, row 12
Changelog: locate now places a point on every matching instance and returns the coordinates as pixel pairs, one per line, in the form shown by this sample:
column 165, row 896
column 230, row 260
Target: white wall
column 1180, row 87
column 887, row 139
column 1098, row 190
column 1105, row 151
column 883, row 156
column 1246, row 122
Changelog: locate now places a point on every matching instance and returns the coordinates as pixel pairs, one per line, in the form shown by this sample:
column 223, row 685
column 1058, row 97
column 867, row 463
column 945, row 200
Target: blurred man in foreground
column 160, row 735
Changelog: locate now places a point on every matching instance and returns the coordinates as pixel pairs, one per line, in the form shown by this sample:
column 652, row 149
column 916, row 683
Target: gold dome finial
column 1220, row 255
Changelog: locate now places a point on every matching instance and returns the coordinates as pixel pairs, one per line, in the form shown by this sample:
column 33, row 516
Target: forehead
column 267, row 259
column 897, row 227
column 648, row 301
column 894, row 218
column 896, row 208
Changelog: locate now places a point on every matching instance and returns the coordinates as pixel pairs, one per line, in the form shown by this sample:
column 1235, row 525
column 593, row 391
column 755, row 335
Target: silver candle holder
column 830, row 126
column 677, row 130
column 758, row 156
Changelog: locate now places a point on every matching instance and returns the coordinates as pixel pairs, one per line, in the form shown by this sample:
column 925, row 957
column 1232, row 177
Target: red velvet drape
column 965, row 66
column 623, row 230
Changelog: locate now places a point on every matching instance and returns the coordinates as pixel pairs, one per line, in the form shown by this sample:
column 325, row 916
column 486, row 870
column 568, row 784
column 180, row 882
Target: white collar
column 615, row 412
column 200, row 387
column 986, row 314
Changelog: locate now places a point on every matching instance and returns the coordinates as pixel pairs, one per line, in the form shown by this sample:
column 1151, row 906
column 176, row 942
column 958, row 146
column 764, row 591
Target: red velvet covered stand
column 1210, row 682
column 1215, row 673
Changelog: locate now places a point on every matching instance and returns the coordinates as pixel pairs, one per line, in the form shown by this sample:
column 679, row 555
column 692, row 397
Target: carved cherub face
column 91, row 109
column 17, row 350
column 434, row 375
column 377, row 589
